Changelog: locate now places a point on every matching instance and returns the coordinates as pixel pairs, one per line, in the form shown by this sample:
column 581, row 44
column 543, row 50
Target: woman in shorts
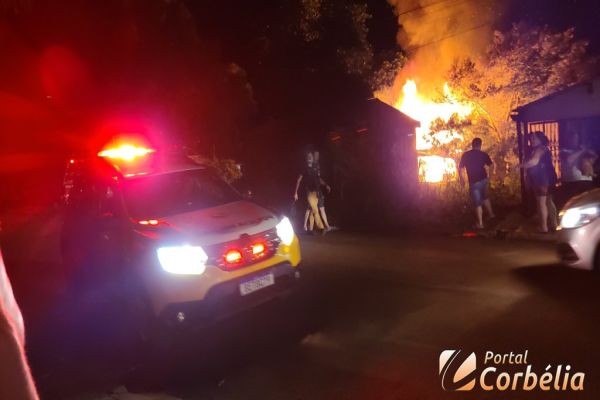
column 542, row 178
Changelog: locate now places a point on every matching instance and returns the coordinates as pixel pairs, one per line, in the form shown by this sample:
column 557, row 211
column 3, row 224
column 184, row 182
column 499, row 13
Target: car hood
column 584, row 199
column 221, row 224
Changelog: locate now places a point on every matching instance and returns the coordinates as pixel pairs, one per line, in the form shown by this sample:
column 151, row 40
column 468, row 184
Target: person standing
column 542, row 178
column 15, row 377
column 475, row 162
column 312, row 186
column 577, row 172
column 321, row 195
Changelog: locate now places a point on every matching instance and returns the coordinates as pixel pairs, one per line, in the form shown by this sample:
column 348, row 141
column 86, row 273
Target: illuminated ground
column 374, row 313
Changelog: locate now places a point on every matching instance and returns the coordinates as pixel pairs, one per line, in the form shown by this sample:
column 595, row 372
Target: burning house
column 433, row 167
column 574, row 111
column 434, row 36
column 374, row 158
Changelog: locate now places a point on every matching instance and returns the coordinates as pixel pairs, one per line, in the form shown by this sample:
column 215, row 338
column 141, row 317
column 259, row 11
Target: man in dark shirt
column 475, row 162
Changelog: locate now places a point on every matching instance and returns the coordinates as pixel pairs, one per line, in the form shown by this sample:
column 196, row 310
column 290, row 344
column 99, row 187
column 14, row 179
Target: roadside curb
column 517, row 226
column 544, row 237
column 518, row 235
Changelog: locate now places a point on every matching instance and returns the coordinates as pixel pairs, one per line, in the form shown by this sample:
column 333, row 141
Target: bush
column 447, row 206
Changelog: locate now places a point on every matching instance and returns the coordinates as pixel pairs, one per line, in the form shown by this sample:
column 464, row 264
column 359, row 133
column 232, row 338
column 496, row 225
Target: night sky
column 238, row 24
column 253, row 34
column 561, row 14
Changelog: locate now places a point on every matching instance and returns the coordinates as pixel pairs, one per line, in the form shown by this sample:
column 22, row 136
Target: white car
column 579, row 231
column 185, row 247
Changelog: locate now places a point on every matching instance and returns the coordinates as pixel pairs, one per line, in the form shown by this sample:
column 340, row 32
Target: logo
column 505, row 372
column 458, row 370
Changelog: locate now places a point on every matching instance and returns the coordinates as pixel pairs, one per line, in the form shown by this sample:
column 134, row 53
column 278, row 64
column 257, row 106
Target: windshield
column 178, row 192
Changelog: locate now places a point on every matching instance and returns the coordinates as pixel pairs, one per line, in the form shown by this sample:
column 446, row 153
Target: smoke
column 436, row 32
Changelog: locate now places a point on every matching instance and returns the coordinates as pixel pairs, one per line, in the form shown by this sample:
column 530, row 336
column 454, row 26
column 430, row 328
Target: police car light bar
column 125, row 152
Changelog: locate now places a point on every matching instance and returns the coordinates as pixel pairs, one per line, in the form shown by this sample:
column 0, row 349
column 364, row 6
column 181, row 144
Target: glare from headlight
column 182, row 260
column 578, row 216
column 285, row 231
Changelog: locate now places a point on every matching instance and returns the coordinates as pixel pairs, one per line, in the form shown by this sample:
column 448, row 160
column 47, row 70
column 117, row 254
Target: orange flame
column 432, row 168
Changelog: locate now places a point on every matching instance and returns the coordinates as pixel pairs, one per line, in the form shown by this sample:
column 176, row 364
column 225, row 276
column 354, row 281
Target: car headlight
column 578, row 216
column 285, row 231
column 182, row 260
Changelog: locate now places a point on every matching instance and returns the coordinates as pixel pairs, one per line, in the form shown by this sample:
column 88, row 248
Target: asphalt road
column 374, row 312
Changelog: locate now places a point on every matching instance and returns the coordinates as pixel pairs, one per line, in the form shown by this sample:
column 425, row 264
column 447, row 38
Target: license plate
column 257, row 283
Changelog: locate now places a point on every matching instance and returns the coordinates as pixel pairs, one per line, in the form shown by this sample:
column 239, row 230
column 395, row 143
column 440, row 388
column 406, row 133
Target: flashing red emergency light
column 125, row 152
column 233, row 256
column 258, row 249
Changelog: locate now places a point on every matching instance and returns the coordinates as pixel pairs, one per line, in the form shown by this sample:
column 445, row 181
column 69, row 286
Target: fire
column 432, row 168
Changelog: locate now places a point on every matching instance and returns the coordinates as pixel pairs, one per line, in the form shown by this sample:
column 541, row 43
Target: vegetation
column 520, row 65
column 225, row 83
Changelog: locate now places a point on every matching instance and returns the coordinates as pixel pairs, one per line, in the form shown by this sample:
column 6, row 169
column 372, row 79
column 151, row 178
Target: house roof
column 392, row 111
column 577, row 101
